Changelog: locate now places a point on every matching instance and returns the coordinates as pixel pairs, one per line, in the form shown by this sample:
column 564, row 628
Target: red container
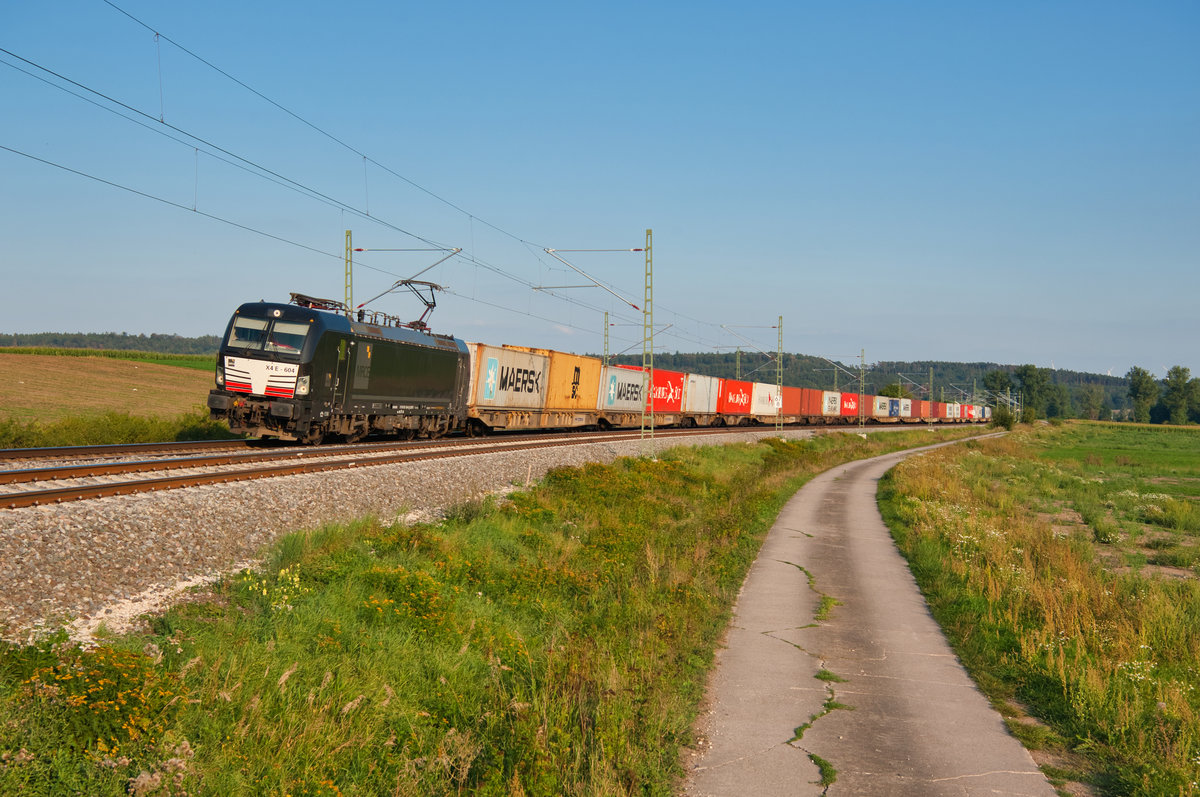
column 667, row 390
column 850, row 403
column 792, row 400
column 921, row 409
column 811, row 402
column 735, row 397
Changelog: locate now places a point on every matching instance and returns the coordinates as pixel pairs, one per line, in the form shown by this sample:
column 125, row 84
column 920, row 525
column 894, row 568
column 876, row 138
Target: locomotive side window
column 247, row 333
column 287, row 337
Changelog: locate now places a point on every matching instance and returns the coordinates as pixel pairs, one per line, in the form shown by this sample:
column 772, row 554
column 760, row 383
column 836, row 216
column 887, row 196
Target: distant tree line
column 1138, row 396
column 116, row 341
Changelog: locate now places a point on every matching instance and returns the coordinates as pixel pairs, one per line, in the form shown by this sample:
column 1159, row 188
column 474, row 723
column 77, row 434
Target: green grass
column 1031, row 552
column 557, row 643
column 827, row 770
column 199, row 362
column 110, row 428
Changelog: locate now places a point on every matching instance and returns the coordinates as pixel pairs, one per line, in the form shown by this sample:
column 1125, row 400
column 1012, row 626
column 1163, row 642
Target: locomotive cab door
column 341, row 385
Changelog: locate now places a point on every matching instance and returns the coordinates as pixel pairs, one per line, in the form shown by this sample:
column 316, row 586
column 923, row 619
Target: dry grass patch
column 46, row 388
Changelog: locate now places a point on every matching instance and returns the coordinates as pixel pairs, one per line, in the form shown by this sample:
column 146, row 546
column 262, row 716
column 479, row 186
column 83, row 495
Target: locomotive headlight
column 220, row 376
column 302, row 386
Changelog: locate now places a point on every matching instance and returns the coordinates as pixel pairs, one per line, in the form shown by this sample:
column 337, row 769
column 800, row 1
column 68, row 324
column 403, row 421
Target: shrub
column 1003, row 418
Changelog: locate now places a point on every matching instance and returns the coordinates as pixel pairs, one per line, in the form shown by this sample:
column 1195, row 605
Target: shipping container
column 667, row 391
column 793, row 401
column 880, row 407
column 811, row 403
column 700, row 394
column 906, row 408
column 504, row 378
column 621, row 390
column 765, row 400
column 850, row 404
column 831, row 403
column 735, row 397
column 893, row 408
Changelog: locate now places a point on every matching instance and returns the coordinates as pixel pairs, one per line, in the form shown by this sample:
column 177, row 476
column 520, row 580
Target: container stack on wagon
column 306, row 370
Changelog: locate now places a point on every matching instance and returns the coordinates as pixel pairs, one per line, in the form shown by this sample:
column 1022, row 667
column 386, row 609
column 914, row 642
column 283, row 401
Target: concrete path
column 917, row 725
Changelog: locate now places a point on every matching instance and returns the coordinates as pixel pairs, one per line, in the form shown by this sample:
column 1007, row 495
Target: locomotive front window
column 287, row 337
column 247, row 333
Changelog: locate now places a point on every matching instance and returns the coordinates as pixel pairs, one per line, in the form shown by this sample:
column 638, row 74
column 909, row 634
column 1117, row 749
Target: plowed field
column 47, row 388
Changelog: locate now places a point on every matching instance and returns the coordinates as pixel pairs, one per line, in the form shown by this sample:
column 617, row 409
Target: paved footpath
column 918, row 726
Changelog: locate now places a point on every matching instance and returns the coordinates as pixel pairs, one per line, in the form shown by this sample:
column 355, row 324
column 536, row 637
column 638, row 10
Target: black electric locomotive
column 307, row 370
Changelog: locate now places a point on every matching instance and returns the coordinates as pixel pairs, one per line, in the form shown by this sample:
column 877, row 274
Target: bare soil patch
column 46, row 388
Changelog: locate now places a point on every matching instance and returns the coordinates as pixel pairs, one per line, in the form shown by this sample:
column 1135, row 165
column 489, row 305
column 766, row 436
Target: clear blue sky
column 1008, row 182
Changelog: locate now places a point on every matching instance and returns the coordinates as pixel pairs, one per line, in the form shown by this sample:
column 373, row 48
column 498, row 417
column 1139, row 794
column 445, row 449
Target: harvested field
column 46, row 388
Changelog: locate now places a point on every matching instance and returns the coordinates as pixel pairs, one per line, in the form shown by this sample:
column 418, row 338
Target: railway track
column 103, row 471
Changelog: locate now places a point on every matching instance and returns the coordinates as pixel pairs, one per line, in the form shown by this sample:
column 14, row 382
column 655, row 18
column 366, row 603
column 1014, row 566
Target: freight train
column 309, row 370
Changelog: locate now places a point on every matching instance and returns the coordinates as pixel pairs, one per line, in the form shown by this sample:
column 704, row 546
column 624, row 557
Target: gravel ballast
column 109, row 560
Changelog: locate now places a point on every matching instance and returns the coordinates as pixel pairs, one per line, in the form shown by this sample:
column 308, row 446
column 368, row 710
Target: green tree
column 1091, row 401
column 1177, row 394
column 895, row 390
column 1057, row 401
column 1143, row 392
column 998, row 382
column 1033, row 383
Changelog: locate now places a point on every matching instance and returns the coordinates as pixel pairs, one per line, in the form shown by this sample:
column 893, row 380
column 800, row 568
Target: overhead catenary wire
column 314, row 193
column 530, row 246
column 273, row 176
column 247, row 228
column 366, row 158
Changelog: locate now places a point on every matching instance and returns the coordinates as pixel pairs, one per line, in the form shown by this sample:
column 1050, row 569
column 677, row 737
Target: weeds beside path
column 1061, row 564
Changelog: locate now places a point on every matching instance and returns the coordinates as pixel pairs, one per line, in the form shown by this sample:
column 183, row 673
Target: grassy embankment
column 1063, row 564
column 58, row 397
column 556, row 643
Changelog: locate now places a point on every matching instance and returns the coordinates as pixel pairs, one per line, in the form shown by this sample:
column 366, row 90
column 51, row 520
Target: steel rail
column 118, row 449
column 93, row 469
column 174, row 447
column 90, row 469
column 60, row 495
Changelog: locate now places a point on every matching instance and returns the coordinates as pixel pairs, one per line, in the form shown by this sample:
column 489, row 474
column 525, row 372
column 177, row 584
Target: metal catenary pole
column 862, row 387
column 648, row 345
column 779, row 382
column 604, row 362
column 349, row 274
